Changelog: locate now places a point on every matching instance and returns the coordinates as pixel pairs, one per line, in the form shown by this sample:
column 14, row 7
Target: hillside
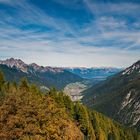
column 118, row 97
column 27, row 113
column 15, row 69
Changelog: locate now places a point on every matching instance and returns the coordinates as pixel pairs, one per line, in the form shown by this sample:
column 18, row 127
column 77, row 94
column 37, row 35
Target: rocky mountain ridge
column 19, row 64
column 134, row 68
column 118, row 97
column 15, row 69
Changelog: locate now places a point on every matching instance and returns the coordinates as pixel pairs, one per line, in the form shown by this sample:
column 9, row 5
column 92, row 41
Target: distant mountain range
column 15, row 69
column 47, row 76
column 94, row 73
column 118, row 97
column 31, row 68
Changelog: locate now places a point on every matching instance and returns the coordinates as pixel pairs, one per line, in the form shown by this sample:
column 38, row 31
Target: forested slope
column 118, row 97
column 27, row 113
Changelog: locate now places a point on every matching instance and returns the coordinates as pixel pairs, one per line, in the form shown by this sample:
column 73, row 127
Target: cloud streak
column 109, row 36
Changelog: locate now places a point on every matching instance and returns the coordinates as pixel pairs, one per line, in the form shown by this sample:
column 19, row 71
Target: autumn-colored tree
column 27, row 113
column 102, row 135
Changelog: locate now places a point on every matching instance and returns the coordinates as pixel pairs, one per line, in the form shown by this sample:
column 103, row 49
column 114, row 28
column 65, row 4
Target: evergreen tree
column 82, row 117
column 2, row 80
column 53, row 92
column 33, row 88
column 68, row 104
column 14, row 84
column 24, row 85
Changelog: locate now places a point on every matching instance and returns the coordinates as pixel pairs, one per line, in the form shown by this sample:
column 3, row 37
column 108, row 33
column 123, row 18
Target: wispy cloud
column 109, row 36
column 120, row 8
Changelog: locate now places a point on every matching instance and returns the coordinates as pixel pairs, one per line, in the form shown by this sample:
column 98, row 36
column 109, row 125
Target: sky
column 75, row 33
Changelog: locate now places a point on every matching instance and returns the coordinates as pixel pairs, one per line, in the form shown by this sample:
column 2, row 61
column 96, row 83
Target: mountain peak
column 134, row 68
column 138, row 62
column 15, row 63
column 10, row 59
column 33, row 67
column 12, row 62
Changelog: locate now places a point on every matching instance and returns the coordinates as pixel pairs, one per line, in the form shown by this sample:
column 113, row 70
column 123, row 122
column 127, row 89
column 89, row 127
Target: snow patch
column 131, row 69
column 136, row 120
column 127, row 100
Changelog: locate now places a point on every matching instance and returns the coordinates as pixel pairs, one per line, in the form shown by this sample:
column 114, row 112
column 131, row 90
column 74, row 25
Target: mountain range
column 94, row 73
column 118, row 97
column 58, row 77
column 15, row 69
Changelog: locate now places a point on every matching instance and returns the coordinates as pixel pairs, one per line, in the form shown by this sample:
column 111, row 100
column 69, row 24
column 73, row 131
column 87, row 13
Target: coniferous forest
column 27, row 113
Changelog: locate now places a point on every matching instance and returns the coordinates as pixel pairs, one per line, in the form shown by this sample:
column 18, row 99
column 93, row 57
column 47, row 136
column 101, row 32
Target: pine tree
column 24, row 85
column 33, row 88
column 82, row 117
column 2, row 80
column 53, row 92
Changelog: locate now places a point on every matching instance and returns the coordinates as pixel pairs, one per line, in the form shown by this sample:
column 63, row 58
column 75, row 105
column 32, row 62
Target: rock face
column 74, row 90
column 31, row 68
column 135, row 68
column 15, row 63
column 118, row 96
column 129, row 111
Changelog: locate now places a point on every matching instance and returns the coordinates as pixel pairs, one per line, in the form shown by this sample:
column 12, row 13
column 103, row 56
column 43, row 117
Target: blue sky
column 90, row 33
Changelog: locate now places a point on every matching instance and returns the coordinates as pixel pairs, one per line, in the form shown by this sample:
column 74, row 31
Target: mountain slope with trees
column 118, row 97
column 28, row 113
